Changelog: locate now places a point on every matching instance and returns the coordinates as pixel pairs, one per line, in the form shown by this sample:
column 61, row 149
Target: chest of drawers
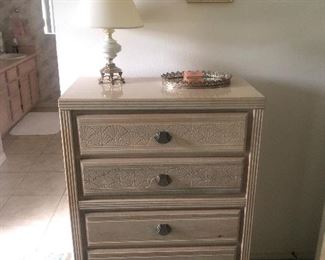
column 155, row 175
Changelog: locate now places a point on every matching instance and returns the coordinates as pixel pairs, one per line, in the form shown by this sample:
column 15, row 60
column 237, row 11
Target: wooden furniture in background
column 19, row 90
column 153, row 174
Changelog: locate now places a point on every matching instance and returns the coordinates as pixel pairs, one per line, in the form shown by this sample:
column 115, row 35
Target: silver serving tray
column 174, row 80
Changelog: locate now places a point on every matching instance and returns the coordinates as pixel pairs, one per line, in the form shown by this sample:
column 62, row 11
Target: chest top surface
column 145, row 93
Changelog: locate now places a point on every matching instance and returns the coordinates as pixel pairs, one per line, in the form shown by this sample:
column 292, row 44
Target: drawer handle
column 163, row 137
column 163, row 180
column 163, row 229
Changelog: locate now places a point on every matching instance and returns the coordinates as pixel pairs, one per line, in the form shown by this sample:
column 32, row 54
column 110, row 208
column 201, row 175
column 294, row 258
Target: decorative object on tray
column 195, row 79
column 110, row 15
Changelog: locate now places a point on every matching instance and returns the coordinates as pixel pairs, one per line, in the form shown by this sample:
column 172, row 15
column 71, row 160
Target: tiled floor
column 34, row 216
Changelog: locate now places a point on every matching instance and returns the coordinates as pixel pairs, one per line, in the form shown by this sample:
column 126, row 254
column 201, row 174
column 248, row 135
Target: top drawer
column 162, row 134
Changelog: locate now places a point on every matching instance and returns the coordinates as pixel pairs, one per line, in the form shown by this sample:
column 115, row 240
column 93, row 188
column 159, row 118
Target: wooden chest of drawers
column 154, row 174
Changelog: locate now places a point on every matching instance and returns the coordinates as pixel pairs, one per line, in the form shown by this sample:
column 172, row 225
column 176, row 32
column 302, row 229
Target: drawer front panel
column 34, row 86
column 12, row 74
column 204, row 227
column 187, row 133
column 178, row 253
column 16, row 110
column 3, row 83
column 162, row 176
column 13, row 88
column 25, row 94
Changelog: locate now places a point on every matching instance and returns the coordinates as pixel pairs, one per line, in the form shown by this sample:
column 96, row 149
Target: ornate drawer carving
column 177, row 253
column 162, row 228
column 198, row 133
column 162, row 176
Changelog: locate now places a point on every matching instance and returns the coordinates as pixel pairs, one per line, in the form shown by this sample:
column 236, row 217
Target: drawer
column 177, row 253
column 12, row 74
column 162, row 134
column 162, row 176
column 3, row 83
column 27, row 66
column 16, row 109
column 25, row 92
column 163, row 228
column 13, row 89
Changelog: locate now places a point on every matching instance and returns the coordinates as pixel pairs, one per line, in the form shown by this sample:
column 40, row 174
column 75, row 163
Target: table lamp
column 110, row 15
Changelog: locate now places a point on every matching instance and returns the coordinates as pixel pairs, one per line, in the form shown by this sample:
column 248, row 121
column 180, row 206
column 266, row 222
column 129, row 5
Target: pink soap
column 192, row 76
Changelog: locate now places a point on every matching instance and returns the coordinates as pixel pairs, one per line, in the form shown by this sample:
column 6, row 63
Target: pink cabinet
column 25, row 92
column 5, row 114
column 19, row 92
column 34, row 89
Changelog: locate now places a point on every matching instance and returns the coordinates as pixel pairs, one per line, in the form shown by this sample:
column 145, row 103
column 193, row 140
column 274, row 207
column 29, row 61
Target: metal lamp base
column 111, row 74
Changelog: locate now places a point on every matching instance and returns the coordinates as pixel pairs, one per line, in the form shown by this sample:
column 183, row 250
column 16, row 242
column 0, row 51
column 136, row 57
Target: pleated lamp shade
column 111, row 14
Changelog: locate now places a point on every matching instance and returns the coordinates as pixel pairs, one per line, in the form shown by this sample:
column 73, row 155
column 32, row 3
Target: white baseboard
column 2, row 158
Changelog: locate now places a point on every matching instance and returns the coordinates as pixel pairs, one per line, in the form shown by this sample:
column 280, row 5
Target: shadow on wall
column 290, row 190
column 274, row 47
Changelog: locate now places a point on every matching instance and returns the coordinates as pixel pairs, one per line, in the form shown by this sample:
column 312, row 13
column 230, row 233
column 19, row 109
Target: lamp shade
column 111, row 14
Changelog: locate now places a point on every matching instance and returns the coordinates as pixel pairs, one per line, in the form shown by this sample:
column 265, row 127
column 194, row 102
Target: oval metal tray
column 174, row 80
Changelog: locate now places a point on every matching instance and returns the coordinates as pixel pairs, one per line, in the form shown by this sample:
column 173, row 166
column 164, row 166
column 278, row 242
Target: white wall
column 279, row 47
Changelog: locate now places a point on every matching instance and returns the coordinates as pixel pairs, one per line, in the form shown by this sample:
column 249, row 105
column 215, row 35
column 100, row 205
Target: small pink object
column 193, row 76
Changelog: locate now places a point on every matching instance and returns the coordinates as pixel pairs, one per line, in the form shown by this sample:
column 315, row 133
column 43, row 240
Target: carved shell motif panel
column 144, row 178
column 184, row 134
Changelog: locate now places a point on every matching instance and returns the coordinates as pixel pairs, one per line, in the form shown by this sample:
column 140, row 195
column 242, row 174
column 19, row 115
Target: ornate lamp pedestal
column 111, row 74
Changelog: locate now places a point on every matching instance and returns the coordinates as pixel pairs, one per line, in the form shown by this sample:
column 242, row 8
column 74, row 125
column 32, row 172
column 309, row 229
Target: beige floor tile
column 58, row 237
column 31, row 211
column 3, row 200
column 53, row 147
column 27, row 146
column 19, row 242
column 8, row 183
column 48, row 163
column 35, row 214
column 41, row 255
column 56, row 137
column 17, row 163
column 41, row 184
column 6, row 142
column 28, row 137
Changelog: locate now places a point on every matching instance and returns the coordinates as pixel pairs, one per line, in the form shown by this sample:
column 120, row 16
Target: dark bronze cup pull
column 163, row 180
column 163, row 137
column 163, row 229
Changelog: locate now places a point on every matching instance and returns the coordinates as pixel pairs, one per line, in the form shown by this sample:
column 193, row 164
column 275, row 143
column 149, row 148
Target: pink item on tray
column 193, row 76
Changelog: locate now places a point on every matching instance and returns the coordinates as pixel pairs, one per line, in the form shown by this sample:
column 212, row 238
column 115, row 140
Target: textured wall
column 278, row 46
column 31, row 14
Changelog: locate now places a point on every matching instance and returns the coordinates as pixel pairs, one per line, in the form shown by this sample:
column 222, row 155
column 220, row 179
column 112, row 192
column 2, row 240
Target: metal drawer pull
column 163, row 229
column 163, row 180
column 163, row 137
